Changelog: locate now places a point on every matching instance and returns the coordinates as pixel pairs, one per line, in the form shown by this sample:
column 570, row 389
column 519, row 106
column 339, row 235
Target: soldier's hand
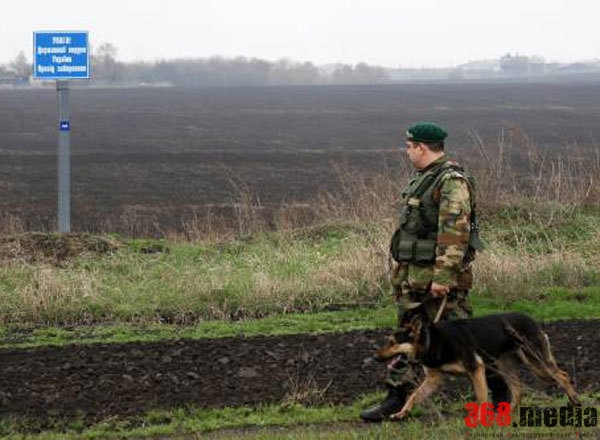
column 438, row 290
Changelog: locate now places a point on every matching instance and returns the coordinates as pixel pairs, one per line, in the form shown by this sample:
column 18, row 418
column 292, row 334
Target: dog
column 466, row 346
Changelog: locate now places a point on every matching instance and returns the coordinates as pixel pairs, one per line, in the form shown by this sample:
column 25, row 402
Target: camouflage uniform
column 435, row 242
column 450, row 266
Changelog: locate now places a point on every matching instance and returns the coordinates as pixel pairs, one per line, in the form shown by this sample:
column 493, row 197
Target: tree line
column 208, row 72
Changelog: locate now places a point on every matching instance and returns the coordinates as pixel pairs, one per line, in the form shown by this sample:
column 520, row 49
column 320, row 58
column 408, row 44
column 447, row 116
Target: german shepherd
column 465, row 346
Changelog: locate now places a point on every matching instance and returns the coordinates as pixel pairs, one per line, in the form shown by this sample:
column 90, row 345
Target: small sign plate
column 61, row 55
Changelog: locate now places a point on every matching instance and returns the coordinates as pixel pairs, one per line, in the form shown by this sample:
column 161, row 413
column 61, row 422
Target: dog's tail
column 512, row 332
column 541, row 353
column 541, row 361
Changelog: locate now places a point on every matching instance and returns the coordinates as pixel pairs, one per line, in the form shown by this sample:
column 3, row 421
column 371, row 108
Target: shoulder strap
column 449, row 167
column 432, row 177
column 474, row 240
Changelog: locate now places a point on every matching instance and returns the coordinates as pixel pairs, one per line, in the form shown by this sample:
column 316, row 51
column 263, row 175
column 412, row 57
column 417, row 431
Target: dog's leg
column 545, row 367
column 508, row 367
column 479, row 382
column 433, row 379
column 560, row 376
column 564, row 381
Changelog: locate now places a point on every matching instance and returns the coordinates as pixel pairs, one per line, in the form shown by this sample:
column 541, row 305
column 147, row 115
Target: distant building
column 10, row 80
column 581, row 67
column 518, row 65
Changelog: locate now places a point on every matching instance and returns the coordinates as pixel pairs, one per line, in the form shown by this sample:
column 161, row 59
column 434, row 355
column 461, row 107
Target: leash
column 441, row 309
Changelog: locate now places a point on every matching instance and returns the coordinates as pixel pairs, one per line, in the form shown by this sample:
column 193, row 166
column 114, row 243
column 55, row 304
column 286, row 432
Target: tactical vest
column 415, row 239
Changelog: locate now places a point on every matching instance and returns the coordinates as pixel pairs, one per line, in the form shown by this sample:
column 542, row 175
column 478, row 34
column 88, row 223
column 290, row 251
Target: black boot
column 393, row 402
column 499, row 389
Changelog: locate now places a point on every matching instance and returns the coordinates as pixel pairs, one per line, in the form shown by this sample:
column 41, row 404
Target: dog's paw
column 399, row 415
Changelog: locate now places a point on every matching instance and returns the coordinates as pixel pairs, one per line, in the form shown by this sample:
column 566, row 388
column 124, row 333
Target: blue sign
column 65, row 125
column 61, row 55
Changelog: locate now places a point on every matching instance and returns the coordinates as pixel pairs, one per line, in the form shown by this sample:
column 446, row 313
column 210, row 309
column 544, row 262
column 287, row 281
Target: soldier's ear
column 424, row 147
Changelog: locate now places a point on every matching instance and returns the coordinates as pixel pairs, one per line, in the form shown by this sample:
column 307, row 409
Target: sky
column 392, row 33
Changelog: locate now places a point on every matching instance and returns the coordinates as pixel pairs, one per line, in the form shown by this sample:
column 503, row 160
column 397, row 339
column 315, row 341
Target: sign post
column 64, row 158
column 62, row 56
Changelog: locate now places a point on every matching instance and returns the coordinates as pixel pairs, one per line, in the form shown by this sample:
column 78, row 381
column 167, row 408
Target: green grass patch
column 434, row 419
column 553, row 304
column 19, row 336
column 187, row 282
column 543, row 228
column 532, row 252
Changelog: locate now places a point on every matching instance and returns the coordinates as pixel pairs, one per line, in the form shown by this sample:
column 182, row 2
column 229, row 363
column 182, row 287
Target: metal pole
column 64, row 158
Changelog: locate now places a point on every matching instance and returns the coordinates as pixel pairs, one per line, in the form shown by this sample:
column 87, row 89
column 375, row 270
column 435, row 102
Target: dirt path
column 98, row 381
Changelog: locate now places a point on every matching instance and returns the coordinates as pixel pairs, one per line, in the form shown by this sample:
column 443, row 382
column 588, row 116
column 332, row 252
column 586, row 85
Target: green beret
column 426, row 132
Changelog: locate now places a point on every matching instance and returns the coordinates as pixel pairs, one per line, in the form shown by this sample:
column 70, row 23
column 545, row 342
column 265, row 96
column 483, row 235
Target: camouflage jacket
column 450, row 267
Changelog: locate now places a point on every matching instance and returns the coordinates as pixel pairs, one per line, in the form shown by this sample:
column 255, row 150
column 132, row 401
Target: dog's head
column 406, row 340
column 400, row 342
column 418, row 326
column 414, row 316
column 411, row 339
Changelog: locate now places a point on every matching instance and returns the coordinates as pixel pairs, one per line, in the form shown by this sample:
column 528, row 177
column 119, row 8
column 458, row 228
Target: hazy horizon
column 381, row 32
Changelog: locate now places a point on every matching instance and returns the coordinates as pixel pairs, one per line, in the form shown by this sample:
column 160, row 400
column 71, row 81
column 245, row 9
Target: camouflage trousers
column 402, row 370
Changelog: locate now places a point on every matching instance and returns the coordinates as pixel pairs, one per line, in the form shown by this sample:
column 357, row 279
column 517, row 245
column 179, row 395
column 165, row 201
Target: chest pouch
column 424, row 251
column 406, row 247
column 412, row 223
column 402, row 245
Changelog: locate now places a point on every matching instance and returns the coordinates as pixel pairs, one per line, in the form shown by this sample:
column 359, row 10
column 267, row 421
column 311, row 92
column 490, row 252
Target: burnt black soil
column 94, row 382
column 55, row 248
column 150, row 160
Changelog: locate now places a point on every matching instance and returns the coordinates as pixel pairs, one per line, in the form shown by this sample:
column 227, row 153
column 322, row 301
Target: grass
column 293, row 278
column 542, row 258
column 559, row 304
column 543, row 228
column 195, row 420
column 20, row 336
column 435, row 419
column 265, row 274
column 539, row 214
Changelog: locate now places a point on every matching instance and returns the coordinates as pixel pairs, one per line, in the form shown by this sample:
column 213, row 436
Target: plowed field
column 150, row 160
column 103, row 380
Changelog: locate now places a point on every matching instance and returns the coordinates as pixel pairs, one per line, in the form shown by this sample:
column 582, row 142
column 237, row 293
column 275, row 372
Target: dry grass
column 304, row 389
column 364, row 198
column 512, row 171
column 526, row 277
column 333, row 251
column 515, row 170
column 224, row 280
column 52, row 295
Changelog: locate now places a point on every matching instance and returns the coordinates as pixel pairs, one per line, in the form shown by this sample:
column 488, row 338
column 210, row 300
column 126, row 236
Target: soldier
column 432, row 248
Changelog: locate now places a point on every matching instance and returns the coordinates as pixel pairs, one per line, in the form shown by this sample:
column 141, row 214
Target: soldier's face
column 415, row 152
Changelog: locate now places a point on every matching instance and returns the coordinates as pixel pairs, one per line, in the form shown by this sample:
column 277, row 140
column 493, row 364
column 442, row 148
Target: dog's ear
column 407, row 316
column 412, row 328
column 424, row 336
column 420, row 332
column 416, row 323
column 403, row 335
column 425, row 319
column 413, row 310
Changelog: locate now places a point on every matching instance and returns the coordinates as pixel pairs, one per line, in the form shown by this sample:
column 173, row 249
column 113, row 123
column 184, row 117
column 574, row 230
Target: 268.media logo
column 531, row 416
